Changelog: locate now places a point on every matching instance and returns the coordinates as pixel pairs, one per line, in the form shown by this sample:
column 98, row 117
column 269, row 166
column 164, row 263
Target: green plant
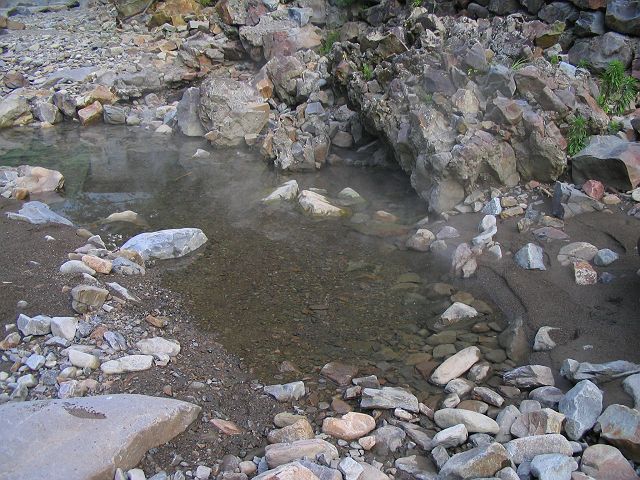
column 617, row 89
column 416, row 3
column 577, row 136
column 332, row 37
column 205, row 3
column 367, row 71
column 427, row 98
column 614, row 127
column 555, row 59
column 584, row 63
column 518, row 63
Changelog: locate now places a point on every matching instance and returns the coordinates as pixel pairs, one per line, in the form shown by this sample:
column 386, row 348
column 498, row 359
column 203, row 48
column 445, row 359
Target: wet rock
column 158, row 346
column 318, row 205
column 582, row 406
column 187, row 113
column 128, row 363
column 38, row 213
column 421, row 240
column 623, row 17
column 543, row 341
column 281, row 453
column 163, row 244
column 300, row 430
column 605, row 257
column 477, row 462
column 604, row 462
column 600, row 51
column 351, row 426
column 114, row 115
column 527, row 448
column 286, row 191
column 115, row 422
column 530, row 257
column 340, row 373
column 87, row 298
column 388, row 398
column 553, row 466
column 455, row 365
column 620, row 426
column 287, row 392
column 473, row 421
column 529, row 376
column 631, row 385
column 13, row 110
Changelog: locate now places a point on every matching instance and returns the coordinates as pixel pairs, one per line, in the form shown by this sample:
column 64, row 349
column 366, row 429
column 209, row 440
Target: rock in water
column 163, row 244
column 456, row 365
column 286, row 191
column 38, row 436
column 318, row 205
column 38, row 213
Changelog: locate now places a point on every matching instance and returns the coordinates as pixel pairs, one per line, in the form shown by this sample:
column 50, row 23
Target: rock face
column 164, row 244
column 609, row 159
column 122, row 429
column 230, row 110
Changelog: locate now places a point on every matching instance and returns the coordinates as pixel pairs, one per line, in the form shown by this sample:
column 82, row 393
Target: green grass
column 332, row 37
column 578, row 135
column 555, row 60
column 206, row 3
column 614, row 127
column 584, row 63
column 367, row 71
column 518, row 63
column 416, row 3
column 617, row 89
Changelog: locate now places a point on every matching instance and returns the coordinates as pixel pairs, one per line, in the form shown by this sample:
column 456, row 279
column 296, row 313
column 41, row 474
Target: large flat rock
column 86, row 438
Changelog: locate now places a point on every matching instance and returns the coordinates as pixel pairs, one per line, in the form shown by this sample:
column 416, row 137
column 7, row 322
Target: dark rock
column 602, row 50
column 589, row 24
column 558, row 11
column 623, row 16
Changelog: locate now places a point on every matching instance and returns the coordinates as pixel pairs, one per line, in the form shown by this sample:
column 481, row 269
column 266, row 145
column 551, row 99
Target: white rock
column 129, row 363
column 455, row 365
column 157, row 346
column 72, row 267
column 83, row 360
column 543, row 342
column 163, row 244
column 451, row 437
column 64, row 327
column 286, row 191
column 318, row 205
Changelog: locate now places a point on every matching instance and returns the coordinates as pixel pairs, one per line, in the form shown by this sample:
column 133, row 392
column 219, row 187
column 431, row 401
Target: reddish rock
column 90, row 114
column 226, row 427
column 15, row 80
column 350, row 427
column 604, row 462
column 101, row 94
column 594, row 189
column 584, row 273
column 341, row 373
column 100, row 265
column 620, row 426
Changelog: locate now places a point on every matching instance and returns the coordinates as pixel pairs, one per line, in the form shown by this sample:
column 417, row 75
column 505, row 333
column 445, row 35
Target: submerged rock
column 286, row 191
column 121, row 428
column 164, row 244
column 318, row 205
column 38, row 213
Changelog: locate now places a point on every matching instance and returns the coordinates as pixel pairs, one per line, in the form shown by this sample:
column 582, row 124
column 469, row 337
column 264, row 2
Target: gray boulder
column 478, row 462
column 623, row 16
column 589, row 24
column 609, row 159
column 581, row 406
column 602, row 50
column 187, row 113
column 38, row 213
column 530, row 257
column 12, row 109
column 38, row 436
column 164, row 244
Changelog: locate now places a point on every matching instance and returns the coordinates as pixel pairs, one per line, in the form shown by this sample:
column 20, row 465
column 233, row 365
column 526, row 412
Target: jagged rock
column 300, row 430
column 530, row 257
column 47, row 112
column 589, row 24
column 455, row 313
column 609, row 159
column 527, row 448
column 558, row 11
column 547, row 396
column 64, row 327
column 477, row 462
column 38, row 213
column 605, row 257
column 387, row 398
column 87, row 298
column 584, row 273
column 230, row 110
column 543, row 341
column 514, row 340
column 281, row 453
column 600, row 51
column 623, row 16
column 576, row 251
column 318, row 205
column 389, row 438
column 473, row 421
column 582, row 406
column 455, row 365
column 416, row 466
column 114, row 115
column 421, row 240
column 529, row 376
column 597, row 372
column 505, row 421
column 14, row 110
column 451, row 437
column 620, row 426
column 604, row 462
column 38, row 325
column 123, row 428
column 538, row 422
column 341, row 373
column 163, row 244
column 187, row 113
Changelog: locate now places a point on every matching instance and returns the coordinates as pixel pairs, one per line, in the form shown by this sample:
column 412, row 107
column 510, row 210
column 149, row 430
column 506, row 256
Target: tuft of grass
column 416, row 3
column 614, row 127
column 555, row 60
column 367, row 71
column 577, row 136
column 518, row 63
column 332, row 37
column 617, row 90
column 584, row 63
column 206, row 3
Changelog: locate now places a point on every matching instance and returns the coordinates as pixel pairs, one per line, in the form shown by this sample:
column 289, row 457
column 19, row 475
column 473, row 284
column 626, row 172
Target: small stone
column 456, row 365
column 594, row 189
column 542, row 341
column 350, row 468
column 530, row 257
column 287, row 392
column 529, row 376
column 129, row 363
column 351, row 426
column 605, row 257
column 83, row 360
column 451, row 437
column 340, row 373
column 473, row 421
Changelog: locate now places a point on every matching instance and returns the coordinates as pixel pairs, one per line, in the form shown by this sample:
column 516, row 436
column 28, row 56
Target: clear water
column 272, row 284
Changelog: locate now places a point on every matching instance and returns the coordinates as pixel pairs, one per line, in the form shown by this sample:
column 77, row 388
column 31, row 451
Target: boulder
column 602, row 50
column 351, row 426
column 90, row 114
column 231, row 110
column 589, row 24
column 286, row 191
column 609, row 159
column 581, row 406
column 473, row 421
column 456, row 365
column 623, row 16
column 537, row 422
column 164, row 244
column 38, row 325
column 620, row 426
column 484, row 461
column 281, row 453
column 187, row 113
column 318, row 205
column 38, row 213
column 14, row 109
column 38, row 435
column 64, row 327
column 604, row 462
